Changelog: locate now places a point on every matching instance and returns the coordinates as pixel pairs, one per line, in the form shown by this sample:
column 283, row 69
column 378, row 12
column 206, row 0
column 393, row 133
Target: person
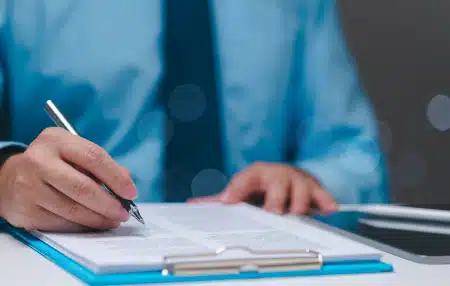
column 292, row 125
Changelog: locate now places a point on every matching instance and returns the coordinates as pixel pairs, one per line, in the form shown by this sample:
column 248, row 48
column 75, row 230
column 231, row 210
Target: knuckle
column 31, row 158
column 286, row 171
column 81, row 189
column 235, row 180
column 49, row 134
column 258, row 165
column 20, row 183
column 277, row 196
column 275, row 204
column 73, row 210
column 47, row 140
column 95, row 155
column 310, row 185
column 314, row 183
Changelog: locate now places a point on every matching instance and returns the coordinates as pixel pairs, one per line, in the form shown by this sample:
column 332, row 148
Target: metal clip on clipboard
column 258, row 261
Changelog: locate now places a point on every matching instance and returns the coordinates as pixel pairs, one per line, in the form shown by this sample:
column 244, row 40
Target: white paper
column 174, row 229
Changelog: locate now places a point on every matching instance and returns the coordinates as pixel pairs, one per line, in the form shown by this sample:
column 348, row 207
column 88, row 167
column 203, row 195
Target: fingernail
column 275, row 211
column 298, row 211
column 124, row 215
column 278, row 212
column 333, row 207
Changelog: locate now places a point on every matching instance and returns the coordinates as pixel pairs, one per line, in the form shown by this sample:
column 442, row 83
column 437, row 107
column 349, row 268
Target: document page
column 176, row 229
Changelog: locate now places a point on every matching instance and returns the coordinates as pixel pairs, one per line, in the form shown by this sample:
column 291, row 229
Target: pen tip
column 135, row 213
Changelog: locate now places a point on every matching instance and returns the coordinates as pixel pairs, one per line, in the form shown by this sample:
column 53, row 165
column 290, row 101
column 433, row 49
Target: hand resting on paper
column 283, row 188
column 46, row 187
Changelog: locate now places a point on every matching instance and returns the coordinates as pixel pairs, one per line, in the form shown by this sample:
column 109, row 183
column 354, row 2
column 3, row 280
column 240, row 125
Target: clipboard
column 202, row 267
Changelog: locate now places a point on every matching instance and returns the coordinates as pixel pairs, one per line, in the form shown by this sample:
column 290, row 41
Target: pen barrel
column 124, row 202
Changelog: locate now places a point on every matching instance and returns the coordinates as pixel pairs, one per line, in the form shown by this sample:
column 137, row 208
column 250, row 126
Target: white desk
column 20, row 265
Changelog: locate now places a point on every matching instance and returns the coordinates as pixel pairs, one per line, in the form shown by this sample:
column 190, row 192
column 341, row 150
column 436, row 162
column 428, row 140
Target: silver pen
column 62, row 122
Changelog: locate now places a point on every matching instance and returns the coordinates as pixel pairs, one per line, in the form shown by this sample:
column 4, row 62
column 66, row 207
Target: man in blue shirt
column 293, row 124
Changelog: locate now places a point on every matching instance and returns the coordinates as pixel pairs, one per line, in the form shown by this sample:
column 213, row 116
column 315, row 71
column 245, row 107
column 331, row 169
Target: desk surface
column 20, row 265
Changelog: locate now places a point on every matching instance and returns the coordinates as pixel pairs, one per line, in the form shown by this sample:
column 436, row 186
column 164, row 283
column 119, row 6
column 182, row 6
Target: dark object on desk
column 424, row 241
column 441, row 207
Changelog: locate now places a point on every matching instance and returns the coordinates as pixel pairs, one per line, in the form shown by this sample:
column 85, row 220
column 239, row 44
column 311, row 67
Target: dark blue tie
column 193, row 143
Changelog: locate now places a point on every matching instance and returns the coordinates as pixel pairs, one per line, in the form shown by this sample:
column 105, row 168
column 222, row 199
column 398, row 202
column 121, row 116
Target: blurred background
column 402, row 48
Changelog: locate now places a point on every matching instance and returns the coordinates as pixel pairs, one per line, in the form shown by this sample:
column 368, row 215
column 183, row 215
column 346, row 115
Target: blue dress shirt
column 289, row 89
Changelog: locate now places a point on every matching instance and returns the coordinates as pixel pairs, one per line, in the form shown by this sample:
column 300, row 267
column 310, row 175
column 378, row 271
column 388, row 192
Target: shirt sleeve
column 10, row 148
column 7, row 148
column 337, row 140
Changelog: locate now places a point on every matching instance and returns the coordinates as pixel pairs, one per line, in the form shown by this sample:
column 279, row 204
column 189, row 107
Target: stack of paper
column 174, row 229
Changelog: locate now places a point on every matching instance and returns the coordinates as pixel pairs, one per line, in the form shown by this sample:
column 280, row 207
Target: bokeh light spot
column 438, row 112
column 187, row 103
column 208, row 182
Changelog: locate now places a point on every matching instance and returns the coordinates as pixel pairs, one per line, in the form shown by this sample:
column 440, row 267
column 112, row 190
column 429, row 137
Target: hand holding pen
column 62, row 122
column 43, row 189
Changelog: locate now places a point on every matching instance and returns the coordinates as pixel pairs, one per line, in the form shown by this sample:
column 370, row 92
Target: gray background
column 402, row 48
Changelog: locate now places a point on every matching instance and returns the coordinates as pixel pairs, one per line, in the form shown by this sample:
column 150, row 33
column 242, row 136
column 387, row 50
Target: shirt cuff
column 9, row 144
column 327, row 176
column 347, row 183
column 8, row 149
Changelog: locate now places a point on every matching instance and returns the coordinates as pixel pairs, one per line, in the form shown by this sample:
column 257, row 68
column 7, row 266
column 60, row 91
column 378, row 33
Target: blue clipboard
column 149, row 277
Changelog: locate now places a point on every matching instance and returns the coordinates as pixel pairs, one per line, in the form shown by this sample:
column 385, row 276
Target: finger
column 241, row 187
column 83, row 190
column 300, row 196
column 277, row 192
column 56, row 202
column 99, row 163
column 44, row 220
column 207, row 199
column 323, row 200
